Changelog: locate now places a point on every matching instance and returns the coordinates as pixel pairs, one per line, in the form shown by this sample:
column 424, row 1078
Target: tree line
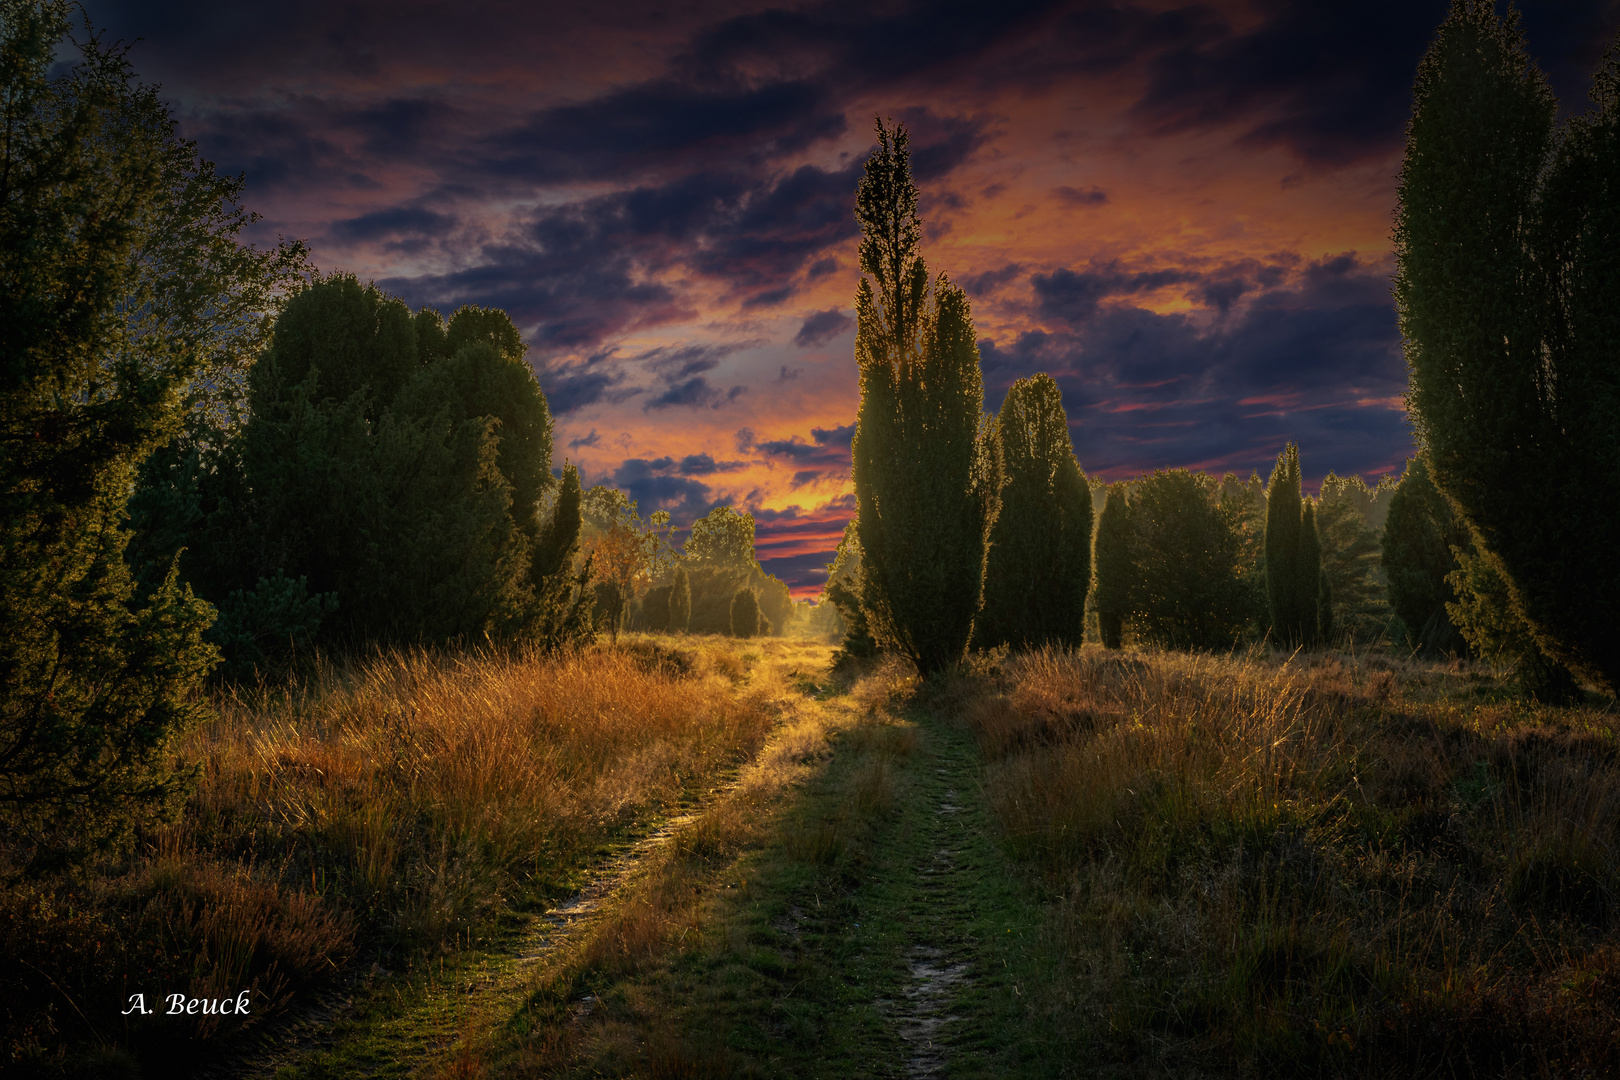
column 979, row 531
column 212, row 457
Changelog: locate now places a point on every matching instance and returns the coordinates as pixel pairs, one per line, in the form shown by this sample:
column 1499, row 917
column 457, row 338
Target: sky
column 1180, row 211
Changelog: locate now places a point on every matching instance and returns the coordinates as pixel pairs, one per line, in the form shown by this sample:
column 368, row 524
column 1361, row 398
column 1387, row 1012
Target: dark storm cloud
column 393, row 223
column 695, row 393
column 586, row 441
column 1065, row 294
column 704, row 465
column 800, row 572
column 1332, row 82
column 821, row 327
column 644, row 125
column 1314, row 358
column 653, row 487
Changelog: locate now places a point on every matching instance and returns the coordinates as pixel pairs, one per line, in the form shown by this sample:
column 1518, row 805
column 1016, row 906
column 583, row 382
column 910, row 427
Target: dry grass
column 395, row 803
column 1323, row 865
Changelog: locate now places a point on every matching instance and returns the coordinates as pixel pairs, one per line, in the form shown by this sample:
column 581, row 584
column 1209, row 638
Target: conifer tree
column 926, row 470
column 1284, row 517
column 1308, row 583
column 1187, row 591
column 121, row 279
column 563, row 601
column 373, row 476
column 1421, row 537
column 745, row 616
column 1505, row 239
column 680, row 602
column 1039, row 567
column 1116, row 569
column 843, row 591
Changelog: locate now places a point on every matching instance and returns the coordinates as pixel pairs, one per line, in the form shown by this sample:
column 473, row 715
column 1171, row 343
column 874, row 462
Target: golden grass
column 1324, row 864
column 397, row 802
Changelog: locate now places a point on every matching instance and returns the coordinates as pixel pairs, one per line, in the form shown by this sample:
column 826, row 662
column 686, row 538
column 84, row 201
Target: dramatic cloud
column 1155, row 203
column 821, row 327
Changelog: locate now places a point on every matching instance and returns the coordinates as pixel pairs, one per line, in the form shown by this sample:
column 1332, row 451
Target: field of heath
column 1322, row 865
column 372, row 812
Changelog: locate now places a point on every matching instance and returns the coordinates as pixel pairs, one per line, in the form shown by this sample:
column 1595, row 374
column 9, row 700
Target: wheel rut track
column 310, row 1028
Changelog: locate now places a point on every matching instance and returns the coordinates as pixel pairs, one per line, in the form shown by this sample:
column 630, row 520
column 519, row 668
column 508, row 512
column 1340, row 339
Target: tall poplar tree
column 1116, row 570
column 926, row 469
column 1039, row 567
column 1506, row 238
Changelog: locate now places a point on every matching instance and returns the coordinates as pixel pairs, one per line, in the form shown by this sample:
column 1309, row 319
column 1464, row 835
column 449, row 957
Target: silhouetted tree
column 1293, row 608
column 1484, row 616
column 745, row 616
column 1506, row 281
column 1420, row 534
column 843, row 591
column 1116, row 568
column 558, row 576
column 1350, row 556
column 1187, row 590
column 927, row 476
column 1309, row 582
column 680, row 602
column 1039, row 566
column 373, row 476
column 127, row 302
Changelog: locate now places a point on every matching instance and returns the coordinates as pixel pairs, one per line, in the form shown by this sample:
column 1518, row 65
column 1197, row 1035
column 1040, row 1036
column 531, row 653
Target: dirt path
column 490, row 984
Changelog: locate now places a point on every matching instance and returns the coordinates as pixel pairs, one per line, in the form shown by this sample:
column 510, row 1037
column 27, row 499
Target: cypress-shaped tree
column 1039, row 567
column 1284, row 514
column 680, row 602
column 926, row 470
column 1506, row 279
column 1116, row 568
column 563, row 601
column 1308, row 584
column 745, row 615
column 1421, row 537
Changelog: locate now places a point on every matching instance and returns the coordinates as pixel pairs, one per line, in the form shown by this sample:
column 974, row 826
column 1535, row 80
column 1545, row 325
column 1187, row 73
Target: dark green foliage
column 1506, row 241
column 843, row 593
column 775, row 601
column 563, row 604
column 927, row 475
column 484, row 375
column 1420, row 534
column 1326, row 629
column 1187, row 590
column 123, row 287
column 609, row 610
column 1308, row 577
column 1039, row 567
column 259, row 626
column 722, row 537
column 1292, row 608
column 336, row 341
column 1350, row 557
column 719, row 552
column 746, row 620
column 1484, row 616
column 655, row 609
column 407, row 486
column 680, row 602
column 1116, row 570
